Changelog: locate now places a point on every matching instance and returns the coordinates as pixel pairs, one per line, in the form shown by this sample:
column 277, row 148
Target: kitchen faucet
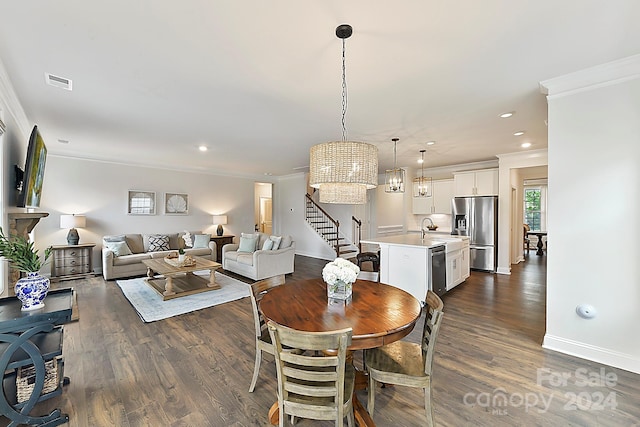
column 422, row 227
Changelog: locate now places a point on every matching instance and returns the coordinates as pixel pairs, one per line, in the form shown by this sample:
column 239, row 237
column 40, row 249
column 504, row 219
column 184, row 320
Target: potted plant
column 180, row 255
column 22, row 255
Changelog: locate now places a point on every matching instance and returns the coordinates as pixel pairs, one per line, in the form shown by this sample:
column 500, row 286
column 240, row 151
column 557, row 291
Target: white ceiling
column 259, row 82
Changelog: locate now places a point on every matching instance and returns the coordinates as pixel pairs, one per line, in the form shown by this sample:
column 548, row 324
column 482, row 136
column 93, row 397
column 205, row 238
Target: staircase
column 329, row 229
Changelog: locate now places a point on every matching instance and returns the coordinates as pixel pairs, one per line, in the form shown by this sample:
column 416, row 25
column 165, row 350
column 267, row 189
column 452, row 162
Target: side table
column 28, row 341
column 72, row 262
column 220, row 242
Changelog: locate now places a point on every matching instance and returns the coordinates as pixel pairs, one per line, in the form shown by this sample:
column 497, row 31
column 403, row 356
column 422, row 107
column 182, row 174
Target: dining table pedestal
column 378, row 314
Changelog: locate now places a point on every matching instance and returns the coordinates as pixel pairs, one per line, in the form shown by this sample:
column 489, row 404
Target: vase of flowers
column 22, row 255
column 339, row 275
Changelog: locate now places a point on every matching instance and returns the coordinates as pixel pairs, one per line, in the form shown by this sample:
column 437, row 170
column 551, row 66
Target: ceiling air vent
column 57, row 81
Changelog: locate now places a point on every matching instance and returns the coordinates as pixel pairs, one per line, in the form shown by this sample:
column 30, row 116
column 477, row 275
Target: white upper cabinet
column 476, row 183
column 440, row 200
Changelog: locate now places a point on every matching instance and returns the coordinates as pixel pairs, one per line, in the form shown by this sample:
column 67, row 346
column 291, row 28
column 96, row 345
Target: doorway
column 263, row 209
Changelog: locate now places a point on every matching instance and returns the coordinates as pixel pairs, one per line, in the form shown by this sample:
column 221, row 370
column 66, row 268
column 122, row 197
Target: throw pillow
column 187, row 239
column 247, row 244
column 118, row 238
column 158, row 242
column 201, row 241
column 255, row 236
column 118, row 248
column 268, row 245
column 276, row 242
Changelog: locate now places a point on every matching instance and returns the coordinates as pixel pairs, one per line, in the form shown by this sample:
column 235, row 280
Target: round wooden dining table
column 378, row 314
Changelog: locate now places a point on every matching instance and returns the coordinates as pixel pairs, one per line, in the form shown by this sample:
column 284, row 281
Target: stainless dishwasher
column 437, row 269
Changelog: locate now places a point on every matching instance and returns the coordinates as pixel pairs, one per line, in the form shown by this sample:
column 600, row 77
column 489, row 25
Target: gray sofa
column 260, row 263
column 117, row 263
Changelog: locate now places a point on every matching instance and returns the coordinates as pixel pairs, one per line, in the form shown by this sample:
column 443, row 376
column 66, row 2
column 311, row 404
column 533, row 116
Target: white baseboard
column 605, row 356
column 314, row 255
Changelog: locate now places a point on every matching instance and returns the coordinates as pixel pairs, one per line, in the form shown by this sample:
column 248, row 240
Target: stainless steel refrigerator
column 477, row 217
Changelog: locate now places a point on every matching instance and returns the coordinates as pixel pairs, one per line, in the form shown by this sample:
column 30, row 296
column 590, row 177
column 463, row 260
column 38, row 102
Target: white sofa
column 260, row 263
column 117, row 265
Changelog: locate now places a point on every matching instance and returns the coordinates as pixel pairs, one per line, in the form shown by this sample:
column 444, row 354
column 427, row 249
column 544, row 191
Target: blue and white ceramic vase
column 32, row 290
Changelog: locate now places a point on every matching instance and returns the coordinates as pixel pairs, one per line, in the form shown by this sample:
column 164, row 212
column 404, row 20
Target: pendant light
column 422, row 185
column 344, row 170
column 394, row 178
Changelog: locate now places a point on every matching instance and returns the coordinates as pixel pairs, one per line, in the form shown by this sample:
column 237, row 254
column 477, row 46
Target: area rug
column 150, row 306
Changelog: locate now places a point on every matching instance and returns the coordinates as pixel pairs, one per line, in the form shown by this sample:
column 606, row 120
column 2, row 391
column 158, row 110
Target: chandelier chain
column 344, row 92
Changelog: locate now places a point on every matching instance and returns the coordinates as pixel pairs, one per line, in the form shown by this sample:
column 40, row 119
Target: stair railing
column 316, row 215
column 359, row 227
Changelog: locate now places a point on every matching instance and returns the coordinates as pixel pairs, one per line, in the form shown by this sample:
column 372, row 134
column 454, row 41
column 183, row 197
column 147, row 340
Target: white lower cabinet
column 457, row 266
column 407, row 269
column 465, row 264
column 454, row 268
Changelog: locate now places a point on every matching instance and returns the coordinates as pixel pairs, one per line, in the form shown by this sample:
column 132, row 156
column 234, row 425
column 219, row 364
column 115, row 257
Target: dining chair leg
column 372, row 395
column 256, row 370
column 428, row 406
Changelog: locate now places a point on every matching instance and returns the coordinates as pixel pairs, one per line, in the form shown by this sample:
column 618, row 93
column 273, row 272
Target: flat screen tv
column 33, row 172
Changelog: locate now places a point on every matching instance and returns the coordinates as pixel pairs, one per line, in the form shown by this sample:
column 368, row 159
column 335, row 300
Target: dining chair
column 316, row 383
column 527, row 240
column 405, row 363
column 263, row 339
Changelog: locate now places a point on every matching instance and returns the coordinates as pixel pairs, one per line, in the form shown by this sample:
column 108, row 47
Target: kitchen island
column 415, row 264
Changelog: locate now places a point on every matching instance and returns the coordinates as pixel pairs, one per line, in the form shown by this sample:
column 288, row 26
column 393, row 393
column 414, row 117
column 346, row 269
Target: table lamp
column 73, row 221
column 220, row 220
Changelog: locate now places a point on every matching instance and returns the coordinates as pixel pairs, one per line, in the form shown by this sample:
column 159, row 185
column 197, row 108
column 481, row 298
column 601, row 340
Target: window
column 534, row 212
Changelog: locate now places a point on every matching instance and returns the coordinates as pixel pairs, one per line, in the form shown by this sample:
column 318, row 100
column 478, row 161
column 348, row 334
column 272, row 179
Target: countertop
column 415, row 239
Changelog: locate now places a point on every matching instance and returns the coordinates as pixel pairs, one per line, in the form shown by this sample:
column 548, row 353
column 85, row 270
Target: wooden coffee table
column 180, row 281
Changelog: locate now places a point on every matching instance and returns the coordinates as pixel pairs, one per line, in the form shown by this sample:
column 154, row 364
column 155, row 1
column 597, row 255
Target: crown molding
column 606, row 74
column 11, row 102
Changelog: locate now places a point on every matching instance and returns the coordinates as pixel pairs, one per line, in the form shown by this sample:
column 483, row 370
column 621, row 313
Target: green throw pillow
column 201, row 241
column 268, row 244
column 118, row 248
column 247, row 244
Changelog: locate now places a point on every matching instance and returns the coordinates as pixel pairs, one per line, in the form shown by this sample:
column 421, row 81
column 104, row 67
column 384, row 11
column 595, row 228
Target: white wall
column 99, row 191
column 13, row 151
column 594, row 205
column 289, row 208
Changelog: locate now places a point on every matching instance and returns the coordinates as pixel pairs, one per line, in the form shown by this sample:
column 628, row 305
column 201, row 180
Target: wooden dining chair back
column 527, row 240
column 316, row 382
column 405, row 363
column 263, row 339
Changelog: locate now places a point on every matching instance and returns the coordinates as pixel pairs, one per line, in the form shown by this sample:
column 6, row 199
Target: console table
column 72, row 262
column 28, row 340
column 220, row 242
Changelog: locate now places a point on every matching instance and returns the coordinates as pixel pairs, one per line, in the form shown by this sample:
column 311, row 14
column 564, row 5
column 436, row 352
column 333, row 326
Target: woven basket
column 26, row 380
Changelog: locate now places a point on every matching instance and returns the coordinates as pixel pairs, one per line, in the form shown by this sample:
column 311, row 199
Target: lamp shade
column 343, row 171
column 73, row 221
column 220, row 219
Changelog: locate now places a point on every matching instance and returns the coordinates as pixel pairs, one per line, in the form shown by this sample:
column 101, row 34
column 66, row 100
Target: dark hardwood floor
column 195, row 369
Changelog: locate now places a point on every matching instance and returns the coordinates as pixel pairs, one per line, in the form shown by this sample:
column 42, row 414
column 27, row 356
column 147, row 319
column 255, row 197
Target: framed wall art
column 176, row 204
column 141, row 202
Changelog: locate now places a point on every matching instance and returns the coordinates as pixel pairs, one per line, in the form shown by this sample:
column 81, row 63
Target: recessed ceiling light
column 268, row 173
column 519, row 133
column 63, row 141
column 431, row 143
column 203, row 148
column 507, row 114
column 526, row 145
